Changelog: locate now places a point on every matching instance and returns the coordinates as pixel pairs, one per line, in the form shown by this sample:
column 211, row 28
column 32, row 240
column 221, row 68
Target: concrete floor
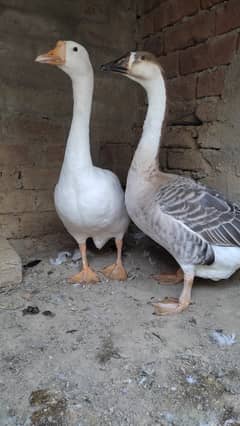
column 100, row 357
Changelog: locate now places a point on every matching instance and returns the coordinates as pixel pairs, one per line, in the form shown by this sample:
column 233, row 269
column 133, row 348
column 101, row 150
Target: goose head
column 70, row 56
column 142, row 67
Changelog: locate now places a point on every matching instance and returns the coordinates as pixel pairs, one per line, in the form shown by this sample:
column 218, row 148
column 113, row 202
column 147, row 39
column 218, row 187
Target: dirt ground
column 98, row 356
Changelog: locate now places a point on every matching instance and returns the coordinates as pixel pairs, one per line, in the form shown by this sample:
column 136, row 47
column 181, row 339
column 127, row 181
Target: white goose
column 197, row 225
column 89, row 200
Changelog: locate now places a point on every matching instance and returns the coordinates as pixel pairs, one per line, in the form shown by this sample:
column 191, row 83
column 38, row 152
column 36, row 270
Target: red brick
column 141, row 101
column 182, row 88
column 10, row 179
column 151, row 4
column 43, row 200
column 206, row 111
column 228, row 17
column 187, row 159
column 28, row 129
column 206, row 4
column 193, row 31
column 172, row 11
column 119, row 156
column 211, row 83
column 181, row 112
column 147, row 25
column 215, row 52
column 14, row 155
column 29, row 224
column 47, row 156
column 163, row 158
column 170, row 64
column 140, row 115
column 38, row 178
column 35, row 224
column 154, row 45
column 180, row 137
column 9, row 226
column 106, row 131
column 26, row 201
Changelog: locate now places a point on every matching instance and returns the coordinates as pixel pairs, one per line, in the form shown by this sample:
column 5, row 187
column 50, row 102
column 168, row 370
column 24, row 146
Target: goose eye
column 75, row 49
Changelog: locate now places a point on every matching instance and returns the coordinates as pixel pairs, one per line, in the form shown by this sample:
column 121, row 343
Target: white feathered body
column 89, row 200
column 227, row 261
column 90, row 203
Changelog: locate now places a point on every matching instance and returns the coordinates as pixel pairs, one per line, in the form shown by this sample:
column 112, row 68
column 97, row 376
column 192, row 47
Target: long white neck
column 146, row 154
column 77, row 153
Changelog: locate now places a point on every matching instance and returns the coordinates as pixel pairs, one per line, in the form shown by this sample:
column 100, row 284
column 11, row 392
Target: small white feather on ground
column 223, row 339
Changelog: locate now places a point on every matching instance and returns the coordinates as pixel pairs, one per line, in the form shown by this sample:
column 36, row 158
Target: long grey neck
column 147, row 151
column 77, row 153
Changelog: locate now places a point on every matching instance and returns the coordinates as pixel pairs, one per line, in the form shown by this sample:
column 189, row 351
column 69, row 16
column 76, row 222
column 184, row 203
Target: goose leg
column 116, row 271
column 86, row 275
column 170, row 305
column 169, row 279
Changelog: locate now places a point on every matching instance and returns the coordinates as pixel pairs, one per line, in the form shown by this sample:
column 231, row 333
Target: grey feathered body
column 197, row 225
column 186, row 218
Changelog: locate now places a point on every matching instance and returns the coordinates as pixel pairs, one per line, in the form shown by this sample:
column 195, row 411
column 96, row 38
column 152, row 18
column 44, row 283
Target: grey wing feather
column 203, row 210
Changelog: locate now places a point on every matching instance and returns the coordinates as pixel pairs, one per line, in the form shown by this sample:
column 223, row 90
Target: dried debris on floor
column 30, row 310
column 49, row 408
column 96, row 356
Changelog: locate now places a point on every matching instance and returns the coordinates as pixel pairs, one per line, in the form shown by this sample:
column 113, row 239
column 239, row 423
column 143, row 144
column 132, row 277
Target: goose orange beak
column 56, row 56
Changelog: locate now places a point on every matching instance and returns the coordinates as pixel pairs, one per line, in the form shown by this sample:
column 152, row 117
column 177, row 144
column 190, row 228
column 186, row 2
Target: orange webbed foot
column 86, row 276
column 169, row 306
column 169, row 279
column 115, row 272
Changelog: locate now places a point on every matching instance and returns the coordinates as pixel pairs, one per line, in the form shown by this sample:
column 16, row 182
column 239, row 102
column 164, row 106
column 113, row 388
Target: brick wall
column 197, row 44
column 36, row 102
